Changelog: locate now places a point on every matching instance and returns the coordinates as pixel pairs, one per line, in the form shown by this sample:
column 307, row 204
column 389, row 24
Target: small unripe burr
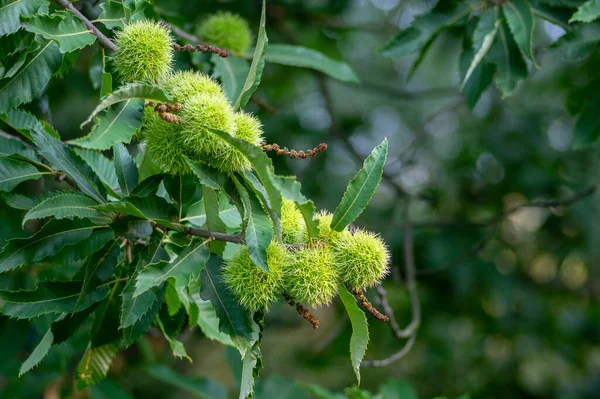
column 144, row 52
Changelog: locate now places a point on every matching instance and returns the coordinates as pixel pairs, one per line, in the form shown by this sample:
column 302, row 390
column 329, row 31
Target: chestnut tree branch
column 104, row 41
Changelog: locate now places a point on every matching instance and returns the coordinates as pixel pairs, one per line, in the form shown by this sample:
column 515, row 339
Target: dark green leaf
column 180, row 188
column 207, row 175
column 114, row 14
column 258, row 63
column 117, row 125
column 177, row 346
column 308, row 58
column 587, row 12
column 64, row 28
column 102, row 166
column 31, row 78
column 127, row 92
column 14, row 172
column 151, row 207
column 49, row 241
column 127, row 172
column 148, row 186
column 23, row 122
column 64, row 205
column 520, row 20
column 234, row 320
column 360, row 330
column 361, row 188
column 426, row 26
column 38, row 354
column 483, row 38
column 9, row 147
column 64, row 159
column 510, row 66
column 94, row 365
column 11, row 10
column 260, row 192
column 50, row 297
column 98, row 269
column 187, row 266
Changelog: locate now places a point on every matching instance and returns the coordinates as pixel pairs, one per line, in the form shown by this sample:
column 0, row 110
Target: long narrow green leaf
column 260, row 192
column 151, row 207
column 510, row 65
column 303, row 57
column 234, row 320
column 38, row 354
column 258, row 62
column 127, row 172
column 64, row 28
column 361, row 188
column 11, row 10
column 64, row 205
column 14, row 172
column 587, row 12
column 49, row 241
column 213, row 220
column 483, row 37
column 129, row 91
column 258, row 229
column 51, row 297
column 101, row 166
column 519, row 17
column 187, row 266
column 94, row 365
column 23, row 122
column 117, row 125
column 31, row 78
column 64, row 159
column 98, row 269
column 9, row 147
column 207, row 175
column 360, row 330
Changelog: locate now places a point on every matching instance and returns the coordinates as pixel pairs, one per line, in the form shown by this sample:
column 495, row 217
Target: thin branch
column 311, row 152
column 234, row 238
column 104, row 41
column 263, row 104
column 410, row 331
column 396, row 356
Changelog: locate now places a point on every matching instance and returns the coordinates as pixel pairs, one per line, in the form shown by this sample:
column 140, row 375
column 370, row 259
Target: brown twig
column 302, row 311
column 369, row 307
column 264, row 105
column 293, row 153
column 104, row 41
column 206, row 48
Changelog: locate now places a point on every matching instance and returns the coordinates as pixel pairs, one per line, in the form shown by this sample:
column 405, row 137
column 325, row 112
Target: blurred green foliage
column 520, row 318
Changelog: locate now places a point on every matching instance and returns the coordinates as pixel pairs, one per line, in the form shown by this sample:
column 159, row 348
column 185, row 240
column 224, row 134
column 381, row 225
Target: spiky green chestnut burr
column 184, row 84
column 311, row 277
column 293, row 228
column 362, row 259
column 248, row 128
column 226, row 30
column 164, row 142
column 202, row 112
column 254, row 288
column 144, row 51
column 323, row 219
